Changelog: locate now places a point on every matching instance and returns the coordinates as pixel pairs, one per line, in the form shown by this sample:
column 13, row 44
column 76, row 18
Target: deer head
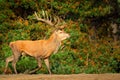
column 61, row 35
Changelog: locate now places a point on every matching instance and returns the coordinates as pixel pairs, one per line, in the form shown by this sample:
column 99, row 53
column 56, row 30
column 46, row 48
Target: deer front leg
column 39, row 66
column 47, row 64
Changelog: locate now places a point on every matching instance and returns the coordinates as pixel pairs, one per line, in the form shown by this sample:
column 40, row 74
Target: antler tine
column 59, row 25
column 36, row 15
column 57, row 21
column 50, row 18
column 43, row 14
column 46, row 19
column 54, row 22
column 40, row 19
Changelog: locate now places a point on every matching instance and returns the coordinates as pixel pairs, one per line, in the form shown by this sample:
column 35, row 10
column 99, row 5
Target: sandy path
column 61, row 77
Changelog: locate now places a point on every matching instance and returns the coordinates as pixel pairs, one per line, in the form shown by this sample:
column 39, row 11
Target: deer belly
column 46, row 54
column 31, row 53
column 38, row 53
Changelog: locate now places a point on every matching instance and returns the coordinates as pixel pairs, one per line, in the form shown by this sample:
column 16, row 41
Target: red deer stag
column 37, row 49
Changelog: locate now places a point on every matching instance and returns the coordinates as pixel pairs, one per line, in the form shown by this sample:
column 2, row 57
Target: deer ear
column 57, row 31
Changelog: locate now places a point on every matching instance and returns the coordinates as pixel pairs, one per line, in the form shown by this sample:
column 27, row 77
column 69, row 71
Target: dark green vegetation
column 93, row 47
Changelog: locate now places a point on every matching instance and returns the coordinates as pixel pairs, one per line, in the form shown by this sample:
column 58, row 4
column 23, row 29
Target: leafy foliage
column 81, row 54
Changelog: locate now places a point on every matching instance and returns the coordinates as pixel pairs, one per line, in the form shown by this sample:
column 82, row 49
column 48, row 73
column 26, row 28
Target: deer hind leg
column 16, row 58
column 39, row 65
column 9, row 59
column 47, row 64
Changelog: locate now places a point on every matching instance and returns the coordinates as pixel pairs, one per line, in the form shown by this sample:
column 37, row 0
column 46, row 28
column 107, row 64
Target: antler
column 48, row 19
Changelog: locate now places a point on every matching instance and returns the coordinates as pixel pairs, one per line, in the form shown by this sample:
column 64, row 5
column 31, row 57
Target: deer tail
column 11, row 44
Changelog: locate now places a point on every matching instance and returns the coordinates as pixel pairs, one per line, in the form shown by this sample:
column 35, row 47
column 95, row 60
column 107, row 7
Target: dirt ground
column 61, row 77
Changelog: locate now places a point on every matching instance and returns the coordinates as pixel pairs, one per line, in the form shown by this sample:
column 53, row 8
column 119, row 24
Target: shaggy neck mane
column 54, row 40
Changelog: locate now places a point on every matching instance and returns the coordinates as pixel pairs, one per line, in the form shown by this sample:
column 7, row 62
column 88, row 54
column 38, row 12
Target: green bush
column 80, row 54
